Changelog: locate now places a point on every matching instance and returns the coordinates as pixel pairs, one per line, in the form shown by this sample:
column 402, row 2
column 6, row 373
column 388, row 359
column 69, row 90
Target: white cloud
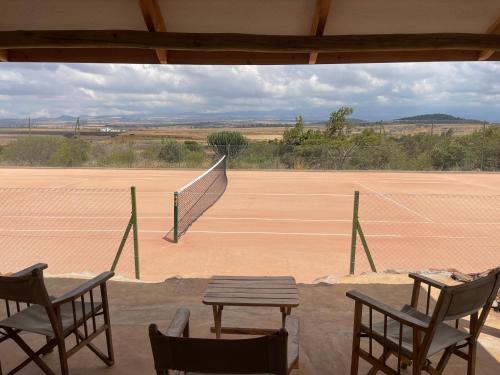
column 377, row 91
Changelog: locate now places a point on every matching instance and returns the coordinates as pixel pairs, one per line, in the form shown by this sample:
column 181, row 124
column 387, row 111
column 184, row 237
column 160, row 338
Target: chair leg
column 107, row 321
column 109, row 346
column 416, row 369
column 471, row 362
column 356, row 338
column 63, row 357
column 31, row 354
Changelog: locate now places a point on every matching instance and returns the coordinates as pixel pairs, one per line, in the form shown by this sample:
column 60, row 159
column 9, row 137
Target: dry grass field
column 199, row 134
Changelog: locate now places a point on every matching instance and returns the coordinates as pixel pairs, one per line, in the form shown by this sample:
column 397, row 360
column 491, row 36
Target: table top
column 280, row 291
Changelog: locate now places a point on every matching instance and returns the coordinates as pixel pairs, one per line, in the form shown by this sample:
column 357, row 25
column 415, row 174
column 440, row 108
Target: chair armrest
column 29, row 270
column 427, row 280
column 83, row 288
column 179, row 325
column 387, row 310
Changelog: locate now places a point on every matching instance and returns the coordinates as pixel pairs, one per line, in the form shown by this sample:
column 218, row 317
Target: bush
column 70, row 153
column 193, row 146
column 227, row 143
column 171, row 151
column 448, row 154
column 31, row 150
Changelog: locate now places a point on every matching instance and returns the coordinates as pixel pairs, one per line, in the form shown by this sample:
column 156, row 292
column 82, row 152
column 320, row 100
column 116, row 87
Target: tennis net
column 192, row 200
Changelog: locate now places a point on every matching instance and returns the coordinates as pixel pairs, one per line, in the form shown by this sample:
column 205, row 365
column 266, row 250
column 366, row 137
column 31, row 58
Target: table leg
column 217, row 310
column 284, row 312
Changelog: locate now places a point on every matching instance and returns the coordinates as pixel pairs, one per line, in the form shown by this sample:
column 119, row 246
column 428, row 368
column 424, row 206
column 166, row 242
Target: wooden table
column 280, row 291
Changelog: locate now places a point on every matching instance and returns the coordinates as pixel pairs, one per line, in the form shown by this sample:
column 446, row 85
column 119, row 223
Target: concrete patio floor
column 326, row 318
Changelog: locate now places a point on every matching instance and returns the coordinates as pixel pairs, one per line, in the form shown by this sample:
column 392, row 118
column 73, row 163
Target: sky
column 375, row 91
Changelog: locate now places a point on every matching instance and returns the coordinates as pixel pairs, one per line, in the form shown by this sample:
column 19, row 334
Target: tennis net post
column 132, row 225
column 176, row 217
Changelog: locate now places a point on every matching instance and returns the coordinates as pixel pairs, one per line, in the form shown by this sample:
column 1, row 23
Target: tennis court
column 265, row 223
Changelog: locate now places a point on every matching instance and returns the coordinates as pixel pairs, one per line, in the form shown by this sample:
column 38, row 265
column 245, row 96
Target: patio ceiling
column 249, row 31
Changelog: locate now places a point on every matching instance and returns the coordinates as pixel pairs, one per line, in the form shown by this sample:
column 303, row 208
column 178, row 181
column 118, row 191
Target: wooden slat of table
column 256, row 281
column 253, row 286
column 253, row 295
column 211, row 289
column 252, row 278
column 235, row 301
column 252, row 290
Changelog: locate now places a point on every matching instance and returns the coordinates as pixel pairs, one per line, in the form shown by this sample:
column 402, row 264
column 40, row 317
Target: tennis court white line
column 250, row 219
column 395, row 202
column 333, row 234
column 294, row 194
column 262, row 194
column 70, row 184
column 311, row 234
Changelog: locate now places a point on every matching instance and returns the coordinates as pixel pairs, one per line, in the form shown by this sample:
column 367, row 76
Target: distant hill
column 437, row 118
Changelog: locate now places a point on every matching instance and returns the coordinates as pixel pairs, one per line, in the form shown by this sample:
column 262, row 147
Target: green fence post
column 176, row 213
column 135, row 233
column 367, row 250
column 354, row 232
column 122, row 244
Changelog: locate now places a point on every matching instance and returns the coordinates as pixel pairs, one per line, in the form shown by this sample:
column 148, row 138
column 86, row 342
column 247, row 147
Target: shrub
column 193, row 146
column 70, row 153
column 171, row 151
column 32, row 150
column 227, row 143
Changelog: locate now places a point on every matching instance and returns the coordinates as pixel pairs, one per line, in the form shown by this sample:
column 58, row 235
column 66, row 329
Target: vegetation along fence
column 298, row 148
column 410, row 232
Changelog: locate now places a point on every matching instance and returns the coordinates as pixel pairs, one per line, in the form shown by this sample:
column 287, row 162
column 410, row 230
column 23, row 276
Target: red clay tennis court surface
column 266, row 223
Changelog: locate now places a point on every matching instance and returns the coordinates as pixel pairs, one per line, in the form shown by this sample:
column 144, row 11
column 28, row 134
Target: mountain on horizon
column 437, row 118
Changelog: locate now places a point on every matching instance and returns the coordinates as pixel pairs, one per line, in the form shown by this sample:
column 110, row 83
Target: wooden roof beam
column 148, row 56
column 493, row 29
column 245, row 42
column 318, row 23
column 155, row 22
column 4, row 55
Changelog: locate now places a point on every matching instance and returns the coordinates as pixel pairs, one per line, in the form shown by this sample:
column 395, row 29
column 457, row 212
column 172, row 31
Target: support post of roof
column 4, row 55
column 320, row 16
column 493, row 29
column 155, row 22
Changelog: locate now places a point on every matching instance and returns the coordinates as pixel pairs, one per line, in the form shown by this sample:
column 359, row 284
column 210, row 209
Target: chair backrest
column 266, row 354
column 458, row 301
column 25, row 287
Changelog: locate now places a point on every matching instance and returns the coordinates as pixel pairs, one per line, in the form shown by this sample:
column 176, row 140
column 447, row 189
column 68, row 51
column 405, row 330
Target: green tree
column 227, row 143
column 294, row 136
column 337, row 125
column 448, row 154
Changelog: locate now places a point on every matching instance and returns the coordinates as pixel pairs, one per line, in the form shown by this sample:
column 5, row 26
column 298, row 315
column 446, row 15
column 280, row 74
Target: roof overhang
column 249, row 32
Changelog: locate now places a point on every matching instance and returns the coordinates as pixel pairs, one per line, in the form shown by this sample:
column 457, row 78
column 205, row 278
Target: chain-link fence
column 276, row 155
column 72, row 230
column 410, row 232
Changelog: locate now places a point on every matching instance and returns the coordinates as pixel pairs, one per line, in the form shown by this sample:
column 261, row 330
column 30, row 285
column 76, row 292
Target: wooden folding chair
column 414, row 336
column 176, row 352
column 30, row 309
